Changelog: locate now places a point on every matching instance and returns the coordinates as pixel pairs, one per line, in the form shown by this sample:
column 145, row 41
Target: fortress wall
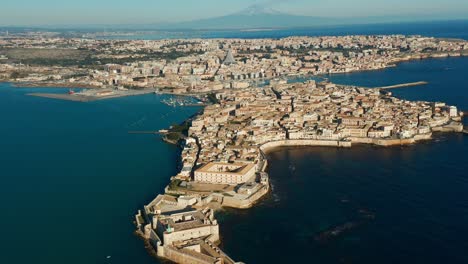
column 449, row 128
column 363, row 140
column 246, row 203
column 303, row 142
column 383, row 142
column 188, row 234
column 155, row 242
column 394, row 142
column 180, row 256
column 391, row 142
column 265, row 165
column 423, row 137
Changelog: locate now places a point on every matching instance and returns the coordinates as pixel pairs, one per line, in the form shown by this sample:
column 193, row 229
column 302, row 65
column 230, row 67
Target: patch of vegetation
column 36, row 56
column 173, row 137
column 212, row 98
column 182, row 128
column 428, row 50
column 167, row 89
column 83, row 57
column 16, row 74
column 301, row 51
column 179, row 43
column 174, row 184
column 177, row 132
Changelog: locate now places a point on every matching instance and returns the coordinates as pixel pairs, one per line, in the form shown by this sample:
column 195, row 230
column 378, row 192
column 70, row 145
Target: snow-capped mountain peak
column 259, row 10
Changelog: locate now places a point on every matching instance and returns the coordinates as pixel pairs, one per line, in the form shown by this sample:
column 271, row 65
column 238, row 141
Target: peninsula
column 223, row 158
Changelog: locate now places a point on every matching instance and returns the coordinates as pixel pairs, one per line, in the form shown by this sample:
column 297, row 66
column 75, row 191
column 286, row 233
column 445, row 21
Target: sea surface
column 72, row 176
column 441, row 29
column 72, row 179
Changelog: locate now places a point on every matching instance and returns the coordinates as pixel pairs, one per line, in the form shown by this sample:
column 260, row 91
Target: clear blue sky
column 59, row 12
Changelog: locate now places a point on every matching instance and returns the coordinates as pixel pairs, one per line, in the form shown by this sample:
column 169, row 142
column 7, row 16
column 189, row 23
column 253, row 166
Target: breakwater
column 80, row 97
column 411, row 84
column 68, row 97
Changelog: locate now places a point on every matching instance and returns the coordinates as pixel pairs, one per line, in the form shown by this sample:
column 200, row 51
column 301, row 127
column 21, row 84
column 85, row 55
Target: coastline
column 84, row 98
column 229, row 202
column 417, row 191
column 253, row 199
column 221, row 201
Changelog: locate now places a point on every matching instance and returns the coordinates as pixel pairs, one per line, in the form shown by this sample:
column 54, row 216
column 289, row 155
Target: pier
column 191, row 105
column 403, row 85
column 148, row 132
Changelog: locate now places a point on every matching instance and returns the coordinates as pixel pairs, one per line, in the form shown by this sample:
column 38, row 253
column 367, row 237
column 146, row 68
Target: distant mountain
column 255, row 16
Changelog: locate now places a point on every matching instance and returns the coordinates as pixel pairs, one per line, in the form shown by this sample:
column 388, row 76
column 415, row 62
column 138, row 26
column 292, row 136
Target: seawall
column 246, row 203
column 267, row 147
column 391, row 142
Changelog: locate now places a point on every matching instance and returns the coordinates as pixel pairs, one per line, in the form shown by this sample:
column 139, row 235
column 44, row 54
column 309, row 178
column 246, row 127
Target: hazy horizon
column 106, row 12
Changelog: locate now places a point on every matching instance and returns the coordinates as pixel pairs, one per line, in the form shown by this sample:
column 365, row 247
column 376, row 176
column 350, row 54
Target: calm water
column 443, row 29
column 73, row 178
column 418, row 194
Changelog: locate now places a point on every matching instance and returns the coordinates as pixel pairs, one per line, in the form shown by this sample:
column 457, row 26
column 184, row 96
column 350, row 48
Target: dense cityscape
column 200, row 65
column 252, row 109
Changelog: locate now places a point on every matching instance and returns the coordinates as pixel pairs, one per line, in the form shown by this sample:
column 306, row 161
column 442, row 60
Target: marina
column 182, row 101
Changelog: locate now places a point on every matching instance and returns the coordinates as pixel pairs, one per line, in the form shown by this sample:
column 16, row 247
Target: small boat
column 71, row 92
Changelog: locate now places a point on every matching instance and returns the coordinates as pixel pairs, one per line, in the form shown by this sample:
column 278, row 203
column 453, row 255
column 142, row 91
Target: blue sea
column 72, row 179
column 72, row 176
column 441, row 29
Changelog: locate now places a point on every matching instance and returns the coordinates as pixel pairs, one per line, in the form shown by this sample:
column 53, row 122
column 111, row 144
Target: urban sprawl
column 254, row 107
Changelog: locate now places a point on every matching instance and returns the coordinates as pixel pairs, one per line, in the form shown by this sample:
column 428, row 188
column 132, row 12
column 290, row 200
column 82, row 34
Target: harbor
column 182, row 101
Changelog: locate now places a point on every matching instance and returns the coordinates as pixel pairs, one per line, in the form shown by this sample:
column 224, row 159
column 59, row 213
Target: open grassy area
column 48, row 57
column 82, row 57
